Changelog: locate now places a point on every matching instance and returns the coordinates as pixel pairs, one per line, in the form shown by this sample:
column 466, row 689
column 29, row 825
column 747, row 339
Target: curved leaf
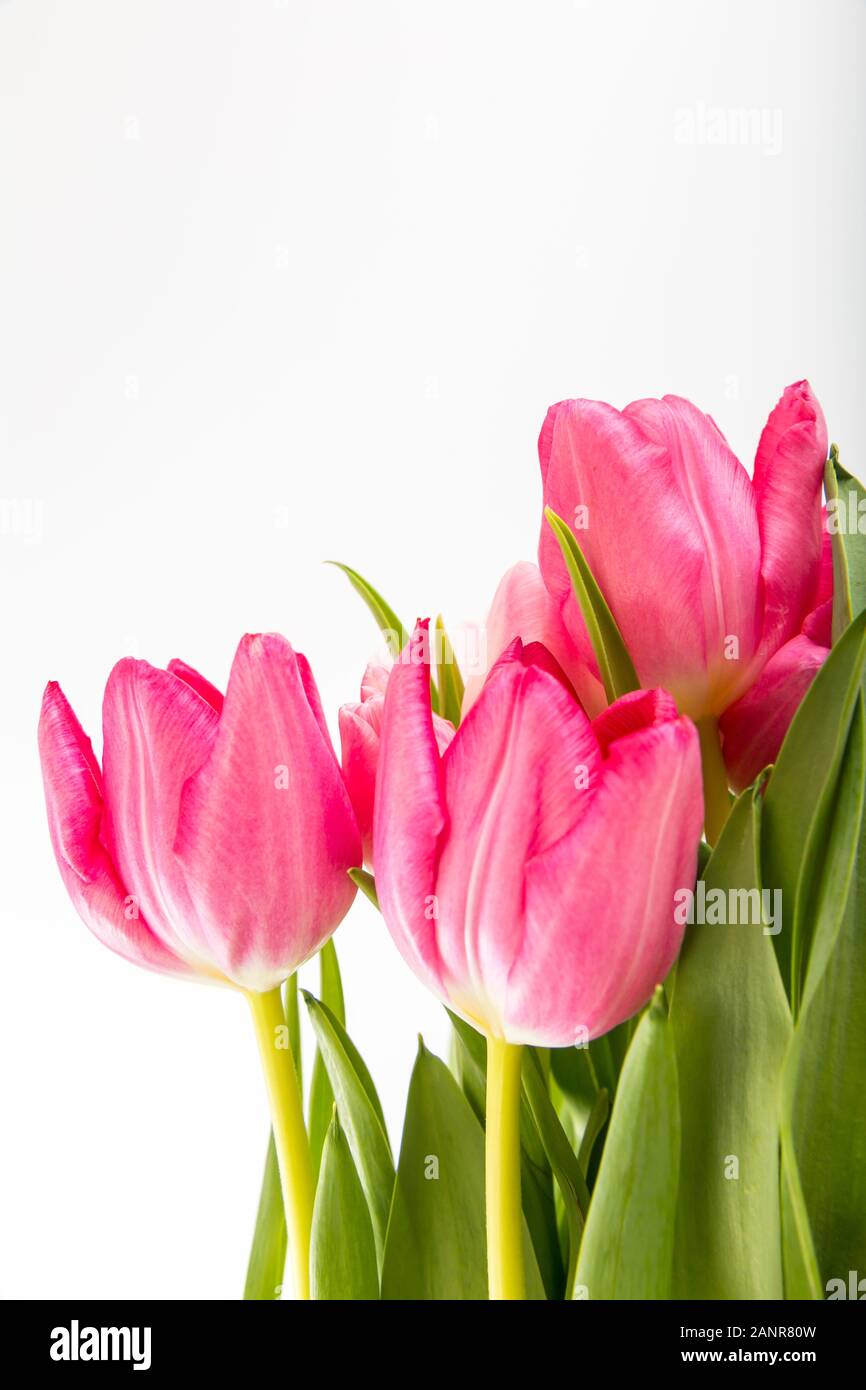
column 343, row 1250
column 360, row 1115
column 614, row 663
column 627, row 1244
column 731, row 1026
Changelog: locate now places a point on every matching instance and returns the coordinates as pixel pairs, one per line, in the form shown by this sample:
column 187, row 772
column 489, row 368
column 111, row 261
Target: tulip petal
column 157, row 731
column 521, row 772
column 660, row 487
column 409, row 816
column 196, row 681
column 610, row 884
column 73, row 795
column 266, row 832
column 753, row 728
column 523, row 607
column 789, row 468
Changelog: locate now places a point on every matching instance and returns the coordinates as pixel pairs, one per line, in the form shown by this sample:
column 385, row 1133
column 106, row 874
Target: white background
column 284, row 282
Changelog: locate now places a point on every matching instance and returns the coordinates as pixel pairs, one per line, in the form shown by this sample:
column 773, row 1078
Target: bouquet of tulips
column 628, row 857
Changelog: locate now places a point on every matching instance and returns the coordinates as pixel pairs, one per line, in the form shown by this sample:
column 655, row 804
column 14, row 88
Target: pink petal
column 523, row 607
column 672, row 539
column 360, row 731
column 409, row 816
column 520, row 773
column 753, row 728
column 196, row 681
column 73, row 786
column 157, row 731
column 266, row 863
column 360, row 741
column 789, row 468
column 600, row 930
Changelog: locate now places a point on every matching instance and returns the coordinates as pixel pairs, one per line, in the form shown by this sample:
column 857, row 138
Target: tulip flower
column 213, row 843
column 719, row 584
column 360, row 736
column 528, row 875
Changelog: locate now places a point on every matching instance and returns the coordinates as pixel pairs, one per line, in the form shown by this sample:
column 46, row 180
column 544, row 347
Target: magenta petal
column 665, row 517
column 73, row 798
column 753, row 728
column 600, row 927
column 266, row 832
column 521, row 772
column 523, row 607
column 157, row 731
column 789, row 468
column 196, row 681
column 409, row 816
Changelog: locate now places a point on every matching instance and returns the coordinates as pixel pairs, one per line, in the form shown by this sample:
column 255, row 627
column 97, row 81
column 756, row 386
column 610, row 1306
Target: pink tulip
column 715, row 580
column 528, row 874
column 360, row 736
column 216, row 838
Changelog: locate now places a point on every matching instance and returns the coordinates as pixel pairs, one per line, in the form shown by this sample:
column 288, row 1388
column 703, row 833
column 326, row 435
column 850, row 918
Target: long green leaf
column 267, row 1260
column 628, row 1241
column 799, row 798
column 448, row 678
column 343, row 1250
column 321, row 1093
column 822, row 1110
column 389, row 624
column 360, row 1113
column 731, row 1025
column 614, row 663
column 437, row 1247
column 564, row 1164
column 846, row 515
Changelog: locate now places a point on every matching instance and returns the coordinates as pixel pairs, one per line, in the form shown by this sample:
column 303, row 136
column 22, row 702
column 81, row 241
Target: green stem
column 504, row 1212
column 290, row 1134
column 717, row 798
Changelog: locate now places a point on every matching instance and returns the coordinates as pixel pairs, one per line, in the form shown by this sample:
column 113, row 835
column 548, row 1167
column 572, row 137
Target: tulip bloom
column 528, row 875
column 721, row 585
column 360, row 736
column 214, row 843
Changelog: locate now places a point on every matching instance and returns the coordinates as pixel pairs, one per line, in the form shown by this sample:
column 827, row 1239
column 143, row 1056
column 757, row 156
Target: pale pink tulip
column 528, row 874
column 360, row 736
column 216, row 838
column 713, row 578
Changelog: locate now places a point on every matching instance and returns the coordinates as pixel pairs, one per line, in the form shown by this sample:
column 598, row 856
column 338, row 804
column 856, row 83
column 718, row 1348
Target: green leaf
column 343, row 1250
column 268, row 1254
column 801, row 790
column 367, row 885
column 564, row 1164
column 539, row 1207
column 321, row 1093
column 846, row 513
column 437, row 1246
column 614, row 663
column 628, row 1240
column 731, row 1025
column 448, row 677
column 360, row 1114
column 387, row 621
column 823, row 1115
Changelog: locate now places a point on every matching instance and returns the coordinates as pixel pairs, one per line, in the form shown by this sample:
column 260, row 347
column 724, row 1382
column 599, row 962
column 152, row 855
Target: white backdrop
column 285, row 281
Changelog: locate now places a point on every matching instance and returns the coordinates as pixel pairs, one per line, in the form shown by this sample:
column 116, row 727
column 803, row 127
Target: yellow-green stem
column 504, row 1213
column 717, row 798
column 290, row 1134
